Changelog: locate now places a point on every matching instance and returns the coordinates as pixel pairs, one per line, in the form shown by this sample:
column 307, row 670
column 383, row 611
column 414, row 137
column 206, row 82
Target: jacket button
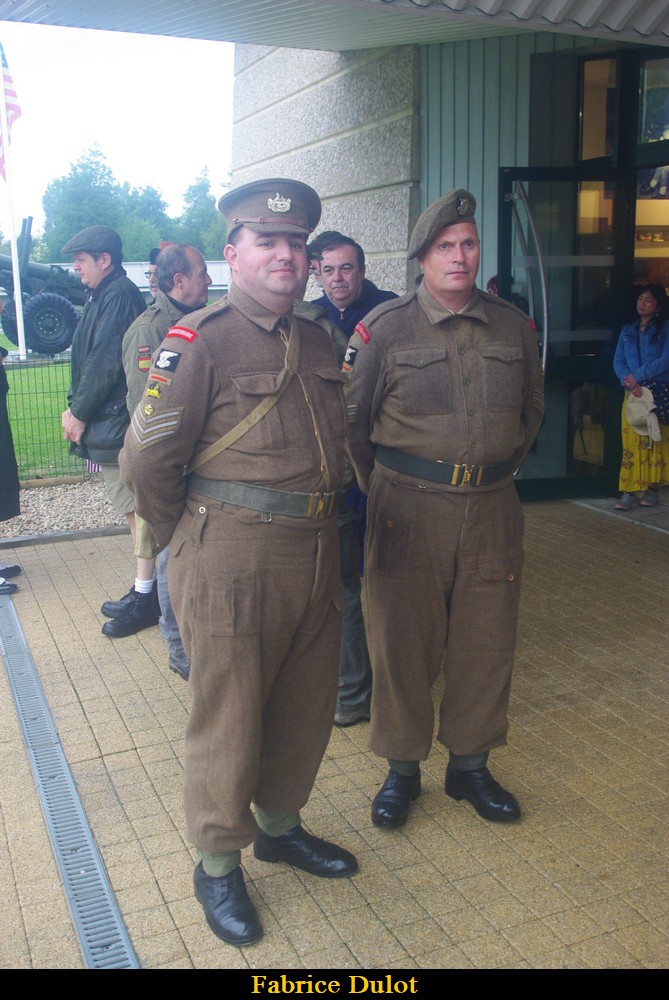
column 510, row 577
column 202, row 510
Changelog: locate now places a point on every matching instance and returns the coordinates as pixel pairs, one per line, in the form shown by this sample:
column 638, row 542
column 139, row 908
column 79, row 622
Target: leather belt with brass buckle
column 264, row 499
column 443, row 472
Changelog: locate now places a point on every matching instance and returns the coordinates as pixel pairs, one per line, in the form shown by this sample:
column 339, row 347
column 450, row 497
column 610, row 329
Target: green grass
column 37, row 397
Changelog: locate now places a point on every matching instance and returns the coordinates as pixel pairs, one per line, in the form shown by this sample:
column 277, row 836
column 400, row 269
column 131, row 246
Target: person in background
column 10, row 505
column 183, row 283
column 97, row 417
column 150, row 272
column 641, row 361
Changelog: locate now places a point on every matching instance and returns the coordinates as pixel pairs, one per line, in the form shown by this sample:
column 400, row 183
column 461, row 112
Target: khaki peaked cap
column 275, row 205
column 95, row 239
column 455, row 206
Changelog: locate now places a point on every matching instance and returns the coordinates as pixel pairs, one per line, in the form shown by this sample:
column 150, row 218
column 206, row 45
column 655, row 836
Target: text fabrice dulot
column 348, row 985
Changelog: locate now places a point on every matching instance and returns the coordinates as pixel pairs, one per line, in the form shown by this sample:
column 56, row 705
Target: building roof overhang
column 344, row 25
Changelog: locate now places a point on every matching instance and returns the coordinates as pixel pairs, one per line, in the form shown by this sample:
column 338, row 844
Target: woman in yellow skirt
column 642, row 359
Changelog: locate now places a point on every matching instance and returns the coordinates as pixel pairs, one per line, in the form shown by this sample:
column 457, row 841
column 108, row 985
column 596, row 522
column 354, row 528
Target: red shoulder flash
column 183, row 333
column 363, row 333
column 533, row 325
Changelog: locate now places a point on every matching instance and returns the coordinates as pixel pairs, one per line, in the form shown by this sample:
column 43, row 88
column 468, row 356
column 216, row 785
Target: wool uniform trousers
column 442, row 577
column 259, row 603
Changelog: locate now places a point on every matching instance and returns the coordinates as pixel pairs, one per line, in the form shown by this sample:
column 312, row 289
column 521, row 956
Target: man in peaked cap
column 444, row 400
column 97, row 418
column 251, row 402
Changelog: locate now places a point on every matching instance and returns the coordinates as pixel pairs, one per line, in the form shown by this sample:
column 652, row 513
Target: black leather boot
column 142, row 611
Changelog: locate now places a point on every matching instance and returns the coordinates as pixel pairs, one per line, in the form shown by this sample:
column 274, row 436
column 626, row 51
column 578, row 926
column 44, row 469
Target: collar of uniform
column 264, row 318
column 437, row 313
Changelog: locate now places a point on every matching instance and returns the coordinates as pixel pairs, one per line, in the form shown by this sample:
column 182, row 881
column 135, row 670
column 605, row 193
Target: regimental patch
column 363, row 333
column 154, row 389
column 143, row 358
column 161, row 378
column 150, row 427
column 168, row 361
column 349, row 360
column 183, row 332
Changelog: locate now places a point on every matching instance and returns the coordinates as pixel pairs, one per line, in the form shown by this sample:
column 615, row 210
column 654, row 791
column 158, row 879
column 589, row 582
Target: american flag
column 12, row 106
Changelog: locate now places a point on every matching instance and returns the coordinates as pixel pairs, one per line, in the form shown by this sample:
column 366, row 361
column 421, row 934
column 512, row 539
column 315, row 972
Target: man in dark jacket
column 349, row 295
column 97, row 418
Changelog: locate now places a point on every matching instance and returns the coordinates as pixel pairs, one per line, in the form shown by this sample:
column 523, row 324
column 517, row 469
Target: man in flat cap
column 445, row 398
column 97, row 418
column 251, row 402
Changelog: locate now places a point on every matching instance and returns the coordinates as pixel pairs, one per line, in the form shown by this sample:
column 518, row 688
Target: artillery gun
column 49, row 293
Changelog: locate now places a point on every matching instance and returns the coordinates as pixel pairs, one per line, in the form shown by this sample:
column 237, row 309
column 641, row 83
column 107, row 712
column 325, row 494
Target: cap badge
column 278, row 204
column 464, row 206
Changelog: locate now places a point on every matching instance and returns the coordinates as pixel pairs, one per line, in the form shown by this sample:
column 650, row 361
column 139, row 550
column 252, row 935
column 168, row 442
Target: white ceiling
column 342, row 25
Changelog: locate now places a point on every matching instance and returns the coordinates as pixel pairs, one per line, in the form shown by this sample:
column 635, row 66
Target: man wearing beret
column 251, row 402
column 445, row 398
column 97, row 418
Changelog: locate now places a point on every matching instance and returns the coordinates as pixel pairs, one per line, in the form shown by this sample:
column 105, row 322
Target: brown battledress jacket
column 258, row 599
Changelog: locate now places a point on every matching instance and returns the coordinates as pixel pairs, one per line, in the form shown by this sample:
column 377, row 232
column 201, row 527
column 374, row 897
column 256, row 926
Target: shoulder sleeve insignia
column 150, row 427
column 183, row 332
column 349, row 359
column 167, row 361
column 143, row 358
column 363, row 333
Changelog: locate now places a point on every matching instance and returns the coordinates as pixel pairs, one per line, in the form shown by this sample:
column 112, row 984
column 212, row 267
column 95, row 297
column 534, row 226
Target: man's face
column 152, row 279
column 341, row 276
column 450, row 264
column 271, row 268
column 192, row 289
column 91, row 271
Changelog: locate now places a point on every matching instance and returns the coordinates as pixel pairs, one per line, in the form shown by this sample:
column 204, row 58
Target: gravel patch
column 47, row 510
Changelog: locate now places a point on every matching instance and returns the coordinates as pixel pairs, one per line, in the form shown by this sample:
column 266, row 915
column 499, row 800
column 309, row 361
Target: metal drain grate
column 97, row 921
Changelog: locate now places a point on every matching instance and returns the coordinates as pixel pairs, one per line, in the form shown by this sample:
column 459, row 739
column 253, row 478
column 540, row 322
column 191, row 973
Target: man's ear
column 230, row 254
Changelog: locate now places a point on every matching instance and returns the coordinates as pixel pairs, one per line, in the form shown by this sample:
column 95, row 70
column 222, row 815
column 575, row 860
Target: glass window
column 598, row 108
column 654, row 100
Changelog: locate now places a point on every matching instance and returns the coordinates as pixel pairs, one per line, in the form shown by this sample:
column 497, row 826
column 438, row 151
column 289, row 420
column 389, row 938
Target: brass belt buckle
column 462, row 475
column 321, row 504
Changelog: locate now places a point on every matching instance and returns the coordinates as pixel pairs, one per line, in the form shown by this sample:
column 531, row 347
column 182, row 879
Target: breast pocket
column 503, row 376
column 421, row 380
column 329, row 389
column 250, row 390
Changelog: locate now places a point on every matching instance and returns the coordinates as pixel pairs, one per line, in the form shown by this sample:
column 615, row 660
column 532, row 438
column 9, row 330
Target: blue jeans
column 169, row 628
column 355, row 670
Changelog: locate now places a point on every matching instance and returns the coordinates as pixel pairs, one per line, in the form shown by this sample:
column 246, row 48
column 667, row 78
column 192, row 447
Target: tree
column 201, row 224
column 88, row 195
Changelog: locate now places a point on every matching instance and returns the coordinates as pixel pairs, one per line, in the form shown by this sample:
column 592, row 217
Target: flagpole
column 18, row 297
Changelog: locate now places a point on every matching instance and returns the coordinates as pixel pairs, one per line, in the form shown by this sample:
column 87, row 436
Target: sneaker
column 650, row 498
column 344, row 719
column 178, row 661
column 142, row 611
column 626, row 502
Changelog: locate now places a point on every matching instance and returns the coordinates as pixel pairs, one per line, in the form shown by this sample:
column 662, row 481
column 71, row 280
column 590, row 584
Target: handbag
column 106, row 431
column 660, row 391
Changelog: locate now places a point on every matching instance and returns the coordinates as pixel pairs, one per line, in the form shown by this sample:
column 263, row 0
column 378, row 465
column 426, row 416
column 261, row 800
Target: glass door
column 557, row 257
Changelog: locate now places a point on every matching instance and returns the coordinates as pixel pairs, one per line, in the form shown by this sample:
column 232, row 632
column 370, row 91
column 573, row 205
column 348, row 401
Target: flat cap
column 95, row 239
column 455, row 206
column 276, row 205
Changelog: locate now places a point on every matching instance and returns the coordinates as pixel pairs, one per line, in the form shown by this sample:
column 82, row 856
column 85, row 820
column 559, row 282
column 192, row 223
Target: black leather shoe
column 10, row 571
column 486, row 795
column 230, row 913
column 8, row 588
column 311, row 854
column 392, row 802
column 110, row 609
column 142, row 611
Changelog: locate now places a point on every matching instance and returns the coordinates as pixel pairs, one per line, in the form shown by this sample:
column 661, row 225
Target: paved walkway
column 581, row 882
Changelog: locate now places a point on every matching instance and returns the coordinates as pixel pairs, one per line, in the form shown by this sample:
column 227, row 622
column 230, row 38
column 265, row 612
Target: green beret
column 95, row 239
column 276, row 205
column 456, row 206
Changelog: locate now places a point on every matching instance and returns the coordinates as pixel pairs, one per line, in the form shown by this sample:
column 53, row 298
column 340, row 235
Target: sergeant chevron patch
column 150, row 428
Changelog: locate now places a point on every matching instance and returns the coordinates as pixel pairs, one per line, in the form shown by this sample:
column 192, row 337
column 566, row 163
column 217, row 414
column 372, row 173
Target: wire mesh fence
column 38, row 388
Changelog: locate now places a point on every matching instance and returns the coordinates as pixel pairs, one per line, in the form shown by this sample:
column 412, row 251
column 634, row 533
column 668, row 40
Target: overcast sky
column 160, row 109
